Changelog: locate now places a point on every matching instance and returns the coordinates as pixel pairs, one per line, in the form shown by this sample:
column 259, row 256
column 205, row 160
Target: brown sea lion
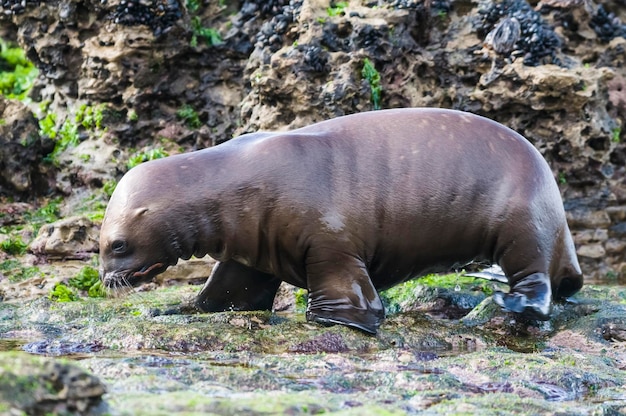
column 345, row 208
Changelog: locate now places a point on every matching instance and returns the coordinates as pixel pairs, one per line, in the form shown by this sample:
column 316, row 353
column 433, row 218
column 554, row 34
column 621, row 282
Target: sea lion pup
column 345, row 208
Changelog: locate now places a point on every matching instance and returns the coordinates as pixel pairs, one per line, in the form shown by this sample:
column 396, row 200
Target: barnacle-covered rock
column 159, row 15
column 537, row 43
column 504, row 35
column 10, row 7
column 607, row 25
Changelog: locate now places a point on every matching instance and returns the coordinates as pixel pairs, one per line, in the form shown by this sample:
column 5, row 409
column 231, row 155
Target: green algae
column 274, row 403
column 62, row 293
column 455, row 294
column 155, row 345
column 145, row 156
column 14, row 245
column 372, row 76
column 88, row 279
column 17, row 73
column 17, row 272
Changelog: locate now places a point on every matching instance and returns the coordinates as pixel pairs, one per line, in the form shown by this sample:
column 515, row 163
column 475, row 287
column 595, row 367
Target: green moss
column 64, row 137
column 47, row 214
column 615, row 133
column 16, row 272
column 109, row 187
column 47, row 125
column 456, row 281
column 429, row 286
column 189, row 116
column 93, row 206
column 211, row 36
column 17, row 74
column 8, row 265
column 89, row 118
column 145, row 156
column 399, row 293
column 97, row 290
column 133, row 116
column 14, row 245
column 337, row 9
column 192, row 6
column 371, row 75
column 301, row 300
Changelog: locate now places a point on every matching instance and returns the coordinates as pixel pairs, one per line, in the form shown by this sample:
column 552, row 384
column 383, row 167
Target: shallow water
column 230, row 363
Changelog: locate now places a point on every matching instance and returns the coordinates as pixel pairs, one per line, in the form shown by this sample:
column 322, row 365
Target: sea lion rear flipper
column 233, row 286
column 341, row 292
column 493, row 273
column 529, row 297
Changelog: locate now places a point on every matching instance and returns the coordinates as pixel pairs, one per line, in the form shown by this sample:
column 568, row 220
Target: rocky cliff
column 170, row 76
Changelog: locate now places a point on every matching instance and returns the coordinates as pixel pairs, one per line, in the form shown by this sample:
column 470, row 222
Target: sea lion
column 344, row 208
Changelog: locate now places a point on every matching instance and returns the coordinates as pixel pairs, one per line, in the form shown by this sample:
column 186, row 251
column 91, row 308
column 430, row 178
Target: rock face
column 70, row 238
column 554, row 71
column 21, row 151
column 36, row 386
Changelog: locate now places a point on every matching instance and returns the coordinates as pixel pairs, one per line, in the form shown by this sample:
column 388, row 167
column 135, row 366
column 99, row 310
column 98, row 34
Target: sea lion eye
column 119, row 246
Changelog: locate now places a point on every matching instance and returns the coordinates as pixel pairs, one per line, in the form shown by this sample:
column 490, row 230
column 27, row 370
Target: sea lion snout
column 131, row 243
column 130, row 277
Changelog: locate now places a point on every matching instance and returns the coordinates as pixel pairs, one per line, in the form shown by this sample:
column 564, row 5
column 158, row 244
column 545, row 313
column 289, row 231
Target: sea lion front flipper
column 233, row 286
column 341, row 292
column 529, row 297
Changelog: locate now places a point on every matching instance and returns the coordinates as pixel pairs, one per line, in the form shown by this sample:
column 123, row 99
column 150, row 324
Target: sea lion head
column 135, row 241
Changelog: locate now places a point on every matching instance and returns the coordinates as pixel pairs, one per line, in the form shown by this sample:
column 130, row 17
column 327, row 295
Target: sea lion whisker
column 116, row 289
column 108, row 292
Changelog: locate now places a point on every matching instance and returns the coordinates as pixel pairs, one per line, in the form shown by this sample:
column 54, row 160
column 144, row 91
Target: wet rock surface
column 36, row 386
column 156, row 356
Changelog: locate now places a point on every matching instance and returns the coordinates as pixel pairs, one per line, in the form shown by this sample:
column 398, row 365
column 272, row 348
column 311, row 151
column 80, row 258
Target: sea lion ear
column 141, row 211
